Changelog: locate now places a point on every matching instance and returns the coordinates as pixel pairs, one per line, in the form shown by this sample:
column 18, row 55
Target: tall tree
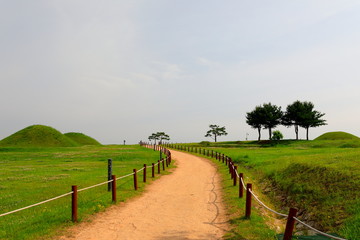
column 215, row 131
column 311, row 118
column 255, row 119
column 272, row 116
column 292, row 116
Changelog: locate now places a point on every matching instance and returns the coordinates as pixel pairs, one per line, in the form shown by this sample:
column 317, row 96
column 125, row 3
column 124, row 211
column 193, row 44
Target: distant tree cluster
column 159, row 136
column 297, row 114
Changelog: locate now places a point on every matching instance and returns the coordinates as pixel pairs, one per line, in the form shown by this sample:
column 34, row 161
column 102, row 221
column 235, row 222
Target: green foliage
column 31, row 175
column 38, row 136
column 267, row 116
column 215, row 131
column 337, row 136
column 277, row 135
column 81, row 139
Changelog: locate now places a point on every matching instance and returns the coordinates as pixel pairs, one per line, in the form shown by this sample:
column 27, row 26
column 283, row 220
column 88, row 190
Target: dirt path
column 183, row 205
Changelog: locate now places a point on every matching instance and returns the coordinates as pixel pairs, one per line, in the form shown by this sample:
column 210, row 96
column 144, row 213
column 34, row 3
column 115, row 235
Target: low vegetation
column 31, row 175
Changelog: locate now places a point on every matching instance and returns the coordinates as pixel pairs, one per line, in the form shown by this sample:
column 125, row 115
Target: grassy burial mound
column 81, row 139
column 37, row 136
column 337, row 136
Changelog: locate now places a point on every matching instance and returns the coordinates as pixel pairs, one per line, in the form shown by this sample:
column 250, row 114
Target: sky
column 122, row 70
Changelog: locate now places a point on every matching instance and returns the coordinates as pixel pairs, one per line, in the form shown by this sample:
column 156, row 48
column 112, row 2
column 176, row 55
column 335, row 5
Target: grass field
column 31, row 175
column 320, row 178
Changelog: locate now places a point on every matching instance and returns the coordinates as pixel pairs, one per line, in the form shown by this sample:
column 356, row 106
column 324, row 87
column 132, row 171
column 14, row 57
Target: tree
column 310, row 118
column 215, row 131
column 159, row 136
column 162, row 136
column 277, row 135
column 293, row 116
column 255, row 119
column 272, row 116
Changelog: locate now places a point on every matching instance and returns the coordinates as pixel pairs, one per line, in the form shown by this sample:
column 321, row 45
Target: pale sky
column 122, row 69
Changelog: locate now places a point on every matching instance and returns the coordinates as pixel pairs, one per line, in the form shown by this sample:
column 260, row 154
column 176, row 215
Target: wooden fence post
column 241, row 189
column 109, row 173
column 248, row 200
column 135, row 180
column 235, row 177
column 290, row 224
column 74, row 203
column 153, row 170
column 163, row 164
column 144, row 174
column 113, row 185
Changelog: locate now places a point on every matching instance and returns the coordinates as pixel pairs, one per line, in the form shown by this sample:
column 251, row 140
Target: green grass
column 31, row 175
column 320, row 178
column 81, row 139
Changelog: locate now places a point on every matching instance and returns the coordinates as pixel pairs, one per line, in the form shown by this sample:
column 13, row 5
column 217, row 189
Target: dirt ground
column 186, row 204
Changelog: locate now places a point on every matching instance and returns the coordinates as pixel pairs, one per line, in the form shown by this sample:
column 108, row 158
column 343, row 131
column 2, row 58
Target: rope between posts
column 125, row 176
column 140, row 170
column 36, row 204
column 242, row 181
column 271, row 210
column 103, row 183
column 315, row 230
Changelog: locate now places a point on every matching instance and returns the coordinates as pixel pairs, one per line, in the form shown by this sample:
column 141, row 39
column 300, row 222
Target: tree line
column 297, row 114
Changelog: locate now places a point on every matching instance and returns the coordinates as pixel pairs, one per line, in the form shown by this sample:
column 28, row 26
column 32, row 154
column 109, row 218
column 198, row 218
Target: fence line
column 234, row 173
column 159, row 148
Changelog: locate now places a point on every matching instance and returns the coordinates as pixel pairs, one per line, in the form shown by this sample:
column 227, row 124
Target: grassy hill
column 38, row 136
column 337, row 136
column 81, row 139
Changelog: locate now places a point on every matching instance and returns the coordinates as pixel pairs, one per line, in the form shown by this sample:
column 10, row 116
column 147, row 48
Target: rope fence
column 291, row 217
column 112, row 181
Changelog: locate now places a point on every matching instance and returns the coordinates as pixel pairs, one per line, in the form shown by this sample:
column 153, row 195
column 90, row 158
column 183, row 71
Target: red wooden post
column 235, row 177
column 74, row 203
column 144, row 174
column 158, row 166
column 113, row 185
column 248, row 201
column 153, row 170
column 163, row 164
column 135, row 180
column 290, row 224
column 223, row 156
column 241, row 188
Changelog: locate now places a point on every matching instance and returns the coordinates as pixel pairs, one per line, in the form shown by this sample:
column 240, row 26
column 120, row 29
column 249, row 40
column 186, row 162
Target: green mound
column 37, row 136
column 337, row 136
column 81, row 139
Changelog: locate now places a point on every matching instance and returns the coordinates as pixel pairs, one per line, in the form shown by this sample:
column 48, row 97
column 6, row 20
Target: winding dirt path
column 186, row 204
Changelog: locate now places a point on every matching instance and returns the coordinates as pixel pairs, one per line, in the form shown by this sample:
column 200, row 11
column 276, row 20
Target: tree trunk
column 259, row 131
column 215, row 137
column 307, row 133
column 297, row 132
column 269, row 133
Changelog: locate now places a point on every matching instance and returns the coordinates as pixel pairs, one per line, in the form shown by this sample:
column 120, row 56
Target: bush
column 277, row 135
